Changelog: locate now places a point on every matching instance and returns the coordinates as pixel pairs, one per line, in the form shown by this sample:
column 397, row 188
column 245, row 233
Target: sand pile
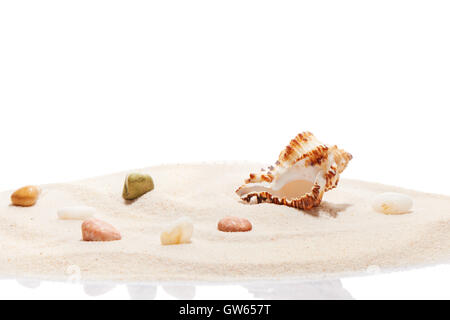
column 343, row 235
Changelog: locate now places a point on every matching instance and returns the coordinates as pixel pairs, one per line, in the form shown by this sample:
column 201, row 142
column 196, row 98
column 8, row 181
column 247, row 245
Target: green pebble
column 136, row 185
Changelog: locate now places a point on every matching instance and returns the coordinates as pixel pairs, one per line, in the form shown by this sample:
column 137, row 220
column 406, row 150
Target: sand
column 344, row 235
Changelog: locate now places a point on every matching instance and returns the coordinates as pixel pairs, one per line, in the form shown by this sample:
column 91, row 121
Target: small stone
column 234, row 224
column 76, row 213
column 136, row 185
column 180, row 232
column 97, row 230
column 392, row 203
column 25, row 197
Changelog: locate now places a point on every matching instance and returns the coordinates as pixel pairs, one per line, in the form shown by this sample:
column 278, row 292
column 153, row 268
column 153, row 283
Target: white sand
column 345, row 235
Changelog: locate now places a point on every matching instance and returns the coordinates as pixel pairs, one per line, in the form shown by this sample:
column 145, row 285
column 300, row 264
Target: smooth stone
column 136, row 185
column 25, row 197
column 178, row 233
column 392, row 203
column 234, row 224
column 98, row 230
column 76, row 213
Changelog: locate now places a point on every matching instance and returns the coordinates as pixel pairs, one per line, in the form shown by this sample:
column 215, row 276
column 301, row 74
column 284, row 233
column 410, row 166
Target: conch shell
column 305, row 170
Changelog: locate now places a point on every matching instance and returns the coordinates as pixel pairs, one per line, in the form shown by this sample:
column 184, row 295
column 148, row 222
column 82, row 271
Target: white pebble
column 392, row 203
column 180, row 232
column 76, row 213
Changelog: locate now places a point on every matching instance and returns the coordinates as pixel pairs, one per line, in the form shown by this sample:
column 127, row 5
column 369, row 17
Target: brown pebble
column 234, row 224
column 25, row 197
column 98, row 230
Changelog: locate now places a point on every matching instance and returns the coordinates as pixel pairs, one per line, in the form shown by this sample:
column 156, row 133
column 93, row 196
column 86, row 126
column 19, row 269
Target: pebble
column 392, row 203
column 25, row 197
column 180, row 232
column 234, row 224
column 98, row 230
column 136, row 185
column 76, row 213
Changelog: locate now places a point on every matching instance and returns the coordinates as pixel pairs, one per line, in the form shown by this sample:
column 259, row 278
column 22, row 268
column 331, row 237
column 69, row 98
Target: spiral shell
column 305, row 170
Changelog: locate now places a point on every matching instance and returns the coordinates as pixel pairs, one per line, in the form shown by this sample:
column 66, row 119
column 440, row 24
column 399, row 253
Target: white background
column 93, row 87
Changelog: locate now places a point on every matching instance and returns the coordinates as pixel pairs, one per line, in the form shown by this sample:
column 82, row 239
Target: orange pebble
column 97, row 230
column 25, row 197
column 234, row 224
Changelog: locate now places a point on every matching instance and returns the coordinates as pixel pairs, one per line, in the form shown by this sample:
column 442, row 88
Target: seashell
column 305, row 170
column 180, row 232
column 136, row 185
column 392, row 203
column 76, row 213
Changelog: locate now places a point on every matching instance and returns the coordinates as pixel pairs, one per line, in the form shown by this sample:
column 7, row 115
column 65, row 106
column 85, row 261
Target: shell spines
column 302, row 152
